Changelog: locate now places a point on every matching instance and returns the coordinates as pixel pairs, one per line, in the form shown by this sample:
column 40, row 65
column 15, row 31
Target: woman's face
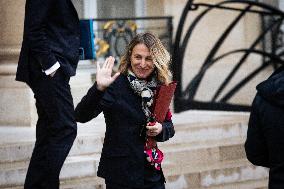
column 141, row 61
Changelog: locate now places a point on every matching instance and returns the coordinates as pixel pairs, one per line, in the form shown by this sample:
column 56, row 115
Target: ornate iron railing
column 270, row 39
column 113, row 34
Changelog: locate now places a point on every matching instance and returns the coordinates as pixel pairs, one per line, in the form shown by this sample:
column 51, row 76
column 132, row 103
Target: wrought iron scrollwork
column 272, row 55
column 113, row 34
column 118, row 34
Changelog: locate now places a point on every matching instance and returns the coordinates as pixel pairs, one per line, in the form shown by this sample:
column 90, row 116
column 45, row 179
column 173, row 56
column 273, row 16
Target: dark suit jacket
column 122, row 159
column 264, row 145
column 51, row 34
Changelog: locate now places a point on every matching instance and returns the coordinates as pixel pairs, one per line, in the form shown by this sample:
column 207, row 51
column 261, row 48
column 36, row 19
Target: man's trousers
column 56, row 129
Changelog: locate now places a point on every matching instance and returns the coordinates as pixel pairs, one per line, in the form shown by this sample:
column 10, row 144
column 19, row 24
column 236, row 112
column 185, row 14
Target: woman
column 126, row 100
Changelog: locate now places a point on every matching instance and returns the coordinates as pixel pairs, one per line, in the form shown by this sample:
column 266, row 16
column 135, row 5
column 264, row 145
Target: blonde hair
column 159, row 54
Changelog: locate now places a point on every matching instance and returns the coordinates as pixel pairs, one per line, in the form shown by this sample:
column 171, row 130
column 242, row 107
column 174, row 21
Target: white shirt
column 52, row 68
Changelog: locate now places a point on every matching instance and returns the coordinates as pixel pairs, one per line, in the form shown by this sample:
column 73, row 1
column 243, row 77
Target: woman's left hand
column 154, row 130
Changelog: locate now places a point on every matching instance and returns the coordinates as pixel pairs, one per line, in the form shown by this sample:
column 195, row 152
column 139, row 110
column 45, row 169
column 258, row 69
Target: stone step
column 92, row 182
column 80, row 172
column 84, row 144
column 89, row 142
column 251, row 184
column 205, row 151
column 202, row 117
column 212, row 175
column 196, row 152
column 98, row 183
column 16, row 143
column 209, row 127
column 201, row 172
column 88, row 182
column 225, row 149
column 259, row 184
column 13, row 174
column 200, row 137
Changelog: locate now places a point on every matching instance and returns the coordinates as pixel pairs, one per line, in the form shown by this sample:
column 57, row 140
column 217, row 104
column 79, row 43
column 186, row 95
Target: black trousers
column 56, row 129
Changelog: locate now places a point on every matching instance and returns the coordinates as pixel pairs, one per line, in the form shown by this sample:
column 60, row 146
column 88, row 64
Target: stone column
column 140, row 11
column 16, row 102
column 90, row 9
column 80, row 84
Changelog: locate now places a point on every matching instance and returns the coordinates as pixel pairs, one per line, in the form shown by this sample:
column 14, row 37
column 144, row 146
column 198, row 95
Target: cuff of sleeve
column 52, row 68
column 95, row 91
column 161, row 136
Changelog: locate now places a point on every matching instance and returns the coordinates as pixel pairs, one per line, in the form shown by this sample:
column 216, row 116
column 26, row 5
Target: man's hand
column 103, row 75
column 154, row 130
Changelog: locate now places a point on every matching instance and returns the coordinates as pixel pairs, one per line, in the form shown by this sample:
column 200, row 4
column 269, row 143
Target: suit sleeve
column 93, row 103
column 37, row 12
column 168, row 129
column 255, row 145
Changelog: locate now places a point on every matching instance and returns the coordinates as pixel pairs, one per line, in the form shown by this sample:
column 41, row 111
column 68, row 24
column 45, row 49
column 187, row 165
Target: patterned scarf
column 145, row 89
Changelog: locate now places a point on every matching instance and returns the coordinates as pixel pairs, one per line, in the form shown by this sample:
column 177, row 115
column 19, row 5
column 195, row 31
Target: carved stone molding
column 9, row 54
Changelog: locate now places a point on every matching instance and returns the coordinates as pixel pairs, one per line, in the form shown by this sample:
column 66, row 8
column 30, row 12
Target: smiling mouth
column 143, row 70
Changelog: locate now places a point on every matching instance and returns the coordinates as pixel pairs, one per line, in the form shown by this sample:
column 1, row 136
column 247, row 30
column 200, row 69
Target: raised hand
column 103, row 75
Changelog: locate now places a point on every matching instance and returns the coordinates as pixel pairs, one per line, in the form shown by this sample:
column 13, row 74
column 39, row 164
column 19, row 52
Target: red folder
column 162, row 100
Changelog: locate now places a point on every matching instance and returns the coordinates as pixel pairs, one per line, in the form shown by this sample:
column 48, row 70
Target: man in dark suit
column 48, row 58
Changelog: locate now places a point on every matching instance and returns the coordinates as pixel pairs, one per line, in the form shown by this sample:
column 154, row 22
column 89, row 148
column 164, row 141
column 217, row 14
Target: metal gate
column 270, row 39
